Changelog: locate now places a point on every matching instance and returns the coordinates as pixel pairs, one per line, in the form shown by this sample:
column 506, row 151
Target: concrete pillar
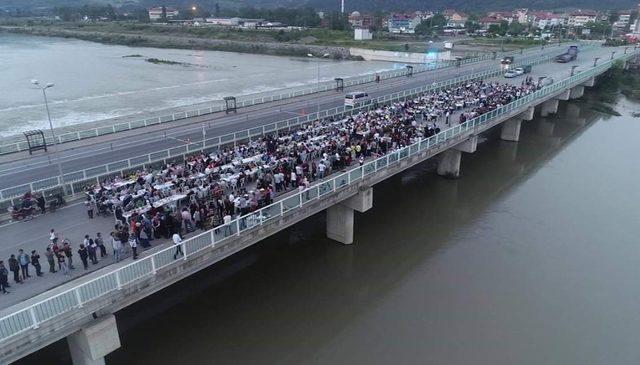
column 511, row 130
column 577, row 92
column 340, row 216
column 449, row 164
column 565, row 95
column 468, row 146
column 340, row 224
column 91, row 344
column 590, row 83
column 528, row 115
column 549, row 107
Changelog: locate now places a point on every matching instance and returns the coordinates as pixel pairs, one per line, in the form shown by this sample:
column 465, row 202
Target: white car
column 511, row 74
column 519, row 70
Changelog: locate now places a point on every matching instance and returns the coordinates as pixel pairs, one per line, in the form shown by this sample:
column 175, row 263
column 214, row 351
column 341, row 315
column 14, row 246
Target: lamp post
column 595, row 61
column 53, row 133
column 318, row 81
column 573, row 69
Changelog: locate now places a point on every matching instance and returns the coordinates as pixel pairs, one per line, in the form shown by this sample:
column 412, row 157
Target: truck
column 570, row 55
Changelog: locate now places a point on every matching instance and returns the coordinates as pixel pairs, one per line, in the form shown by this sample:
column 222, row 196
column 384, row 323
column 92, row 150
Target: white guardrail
column 34, row 315
column 250, row 100
column 74, row 182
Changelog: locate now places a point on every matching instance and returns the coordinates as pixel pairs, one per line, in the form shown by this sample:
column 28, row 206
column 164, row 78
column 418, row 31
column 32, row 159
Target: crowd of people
column 209, row 190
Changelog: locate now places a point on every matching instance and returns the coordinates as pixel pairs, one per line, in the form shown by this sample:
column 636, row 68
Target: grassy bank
column 611, row 86
column 141, row 35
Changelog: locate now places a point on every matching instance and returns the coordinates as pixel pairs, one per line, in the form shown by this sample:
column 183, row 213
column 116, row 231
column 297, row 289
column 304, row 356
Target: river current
column 95, row 81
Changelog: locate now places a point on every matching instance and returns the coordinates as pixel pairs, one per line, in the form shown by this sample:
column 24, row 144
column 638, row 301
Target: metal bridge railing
column 34, row 315
column 74, row 182
column 248, row 100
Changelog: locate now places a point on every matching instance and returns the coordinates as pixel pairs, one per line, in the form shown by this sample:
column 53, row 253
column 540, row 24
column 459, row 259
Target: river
column 96, row 81
column 529, row 258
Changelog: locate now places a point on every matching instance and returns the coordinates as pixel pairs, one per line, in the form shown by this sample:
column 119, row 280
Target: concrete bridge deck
column 18, row 169
column 341, row 195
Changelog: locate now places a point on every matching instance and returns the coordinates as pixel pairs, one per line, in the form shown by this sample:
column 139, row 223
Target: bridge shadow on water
column 286, row 297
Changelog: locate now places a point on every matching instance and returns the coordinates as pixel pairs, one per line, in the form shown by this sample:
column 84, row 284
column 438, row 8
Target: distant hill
column 361, row 5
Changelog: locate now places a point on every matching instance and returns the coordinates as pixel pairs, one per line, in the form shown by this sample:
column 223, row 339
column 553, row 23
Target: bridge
column 83, row 309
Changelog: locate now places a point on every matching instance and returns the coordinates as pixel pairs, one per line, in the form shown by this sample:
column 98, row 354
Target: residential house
column 521, row 16
column 403, row 23
column 502, row 15
column 546, row 19
column 581, row 17
column 156, row 13
column 455, row 19
column 624, row 19
column 487, row 21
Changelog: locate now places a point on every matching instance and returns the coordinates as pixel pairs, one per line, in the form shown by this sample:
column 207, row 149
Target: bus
column 352, row 99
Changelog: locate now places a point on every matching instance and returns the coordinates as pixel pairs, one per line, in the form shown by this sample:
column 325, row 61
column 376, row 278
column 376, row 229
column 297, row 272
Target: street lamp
column 573, row 68
column 318, row 80
column 595, row 61
column 612, row 53
column 53, row 133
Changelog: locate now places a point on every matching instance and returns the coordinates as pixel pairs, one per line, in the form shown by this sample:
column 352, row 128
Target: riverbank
column 180, row 41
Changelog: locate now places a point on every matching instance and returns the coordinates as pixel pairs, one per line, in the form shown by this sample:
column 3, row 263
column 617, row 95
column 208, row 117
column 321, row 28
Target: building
column 502, row 15
column 403, row 23
column 546, row 19
column 455, row 19
column 580, row 18
column 522, row 16
column 358, row 20
column 488, row 21
column 155, row 14
column 624, row 19
column 361, row 34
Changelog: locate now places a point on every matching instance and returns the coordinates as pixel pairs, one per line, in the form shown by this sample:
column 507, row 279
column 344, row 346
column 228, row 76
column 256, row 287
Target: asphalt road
column 21, row 169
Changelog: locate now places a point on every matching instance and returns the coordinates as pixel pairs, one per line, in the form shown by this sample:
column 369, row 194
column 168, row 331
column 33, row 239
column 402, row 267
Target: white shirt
column 176, row 239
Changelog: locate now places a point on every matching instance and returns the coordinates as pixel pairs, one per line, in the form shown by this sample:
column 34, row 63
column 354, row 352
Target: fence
column 35, row 314
column 76, row 181
column 250, row 100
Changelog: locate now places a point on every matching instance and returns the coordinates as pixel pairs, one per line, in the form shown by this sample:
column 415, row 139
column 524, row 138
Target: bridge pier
column 511, row 130
column 449, row 164
column 340, row 216
column 565, row 95
column 590, row 83
column 91, row 344
column 577, row 92
column 549, row 107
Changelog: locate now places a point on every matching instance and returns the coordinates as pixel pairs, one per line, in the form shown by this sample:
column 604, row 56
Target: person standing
column 90, row 205
column 69, row 254
column 134, row 246
column 4, row 278
column 41, row 203
column 35, row 261
column 117, row 246
column 14, row 266
column 177, row 240
column 23, row 259
column 51, row 260
column 100, row 242
column 83, row 253
column 62, row 263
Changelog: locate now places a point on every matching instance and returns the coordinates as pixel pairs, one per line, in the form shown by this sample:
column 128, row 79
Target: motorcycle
column 56, row 201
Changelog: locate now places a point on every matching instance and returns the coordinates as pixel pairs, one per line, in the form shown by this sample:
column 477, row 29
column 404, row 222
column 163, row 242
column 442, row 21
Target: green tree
column 471, row 26
column 515, row 28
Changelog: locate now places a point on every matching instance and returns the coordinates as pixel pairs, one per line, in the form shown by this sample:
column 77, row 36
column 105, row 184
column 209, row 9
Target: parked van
column 352, row 99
